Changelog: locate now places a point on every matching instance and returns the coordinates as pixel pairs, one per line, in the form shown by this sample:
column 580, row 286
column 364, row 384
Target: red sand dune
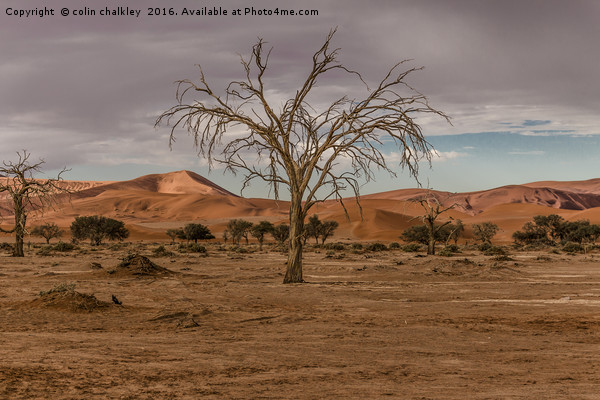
column 152, row 203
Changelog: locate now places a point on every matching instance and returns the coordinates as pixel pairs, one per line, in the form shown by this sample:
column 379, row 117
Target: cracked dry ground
column 373, row 325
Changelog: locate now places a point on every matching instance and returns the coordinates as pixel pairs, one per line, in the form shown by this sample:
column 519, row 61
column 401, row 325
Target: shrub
column 60, row 288
column 6, row 247
column 484, row 247
column 192, row 248
column 45, row 251
column 64, row 246
column 394, row 245
column 503, row 257
column 376, row 247
column 495, row 251
column 446, row 252
column 411, row 248
column 357, row 246
column 161, row 251
column 571, row 247
column 453, row 248
column 334, row 246
column 449, row 250
column 60, row 246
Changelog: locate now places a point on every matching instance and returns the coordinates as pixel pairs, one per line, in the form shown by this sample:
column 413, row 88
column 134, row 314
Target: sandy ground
column 366, row 326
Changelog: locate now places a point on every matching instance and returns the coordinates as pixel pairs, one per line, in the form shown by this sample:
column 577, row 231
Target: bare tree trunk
column 20, row 221
column 431, row 247
column 294, row 263
column 431, row 244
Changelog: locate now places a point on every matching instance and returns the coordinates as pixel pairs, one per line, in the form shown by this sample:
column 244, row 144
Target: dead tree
column 27, row 194
column 295, row 145
column 433, row 209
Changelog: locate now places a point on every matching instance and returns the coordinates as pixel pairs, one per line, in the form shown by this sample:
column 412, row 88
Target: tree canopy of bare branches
column 26, row 193
column 296, row 145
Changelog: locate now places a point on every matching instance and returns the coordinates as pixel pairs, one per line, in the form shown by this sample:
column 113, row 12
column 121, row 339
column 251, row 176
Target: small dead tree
column 297, row 144
column 47, row 231
column 27, row 193
column 433, row 209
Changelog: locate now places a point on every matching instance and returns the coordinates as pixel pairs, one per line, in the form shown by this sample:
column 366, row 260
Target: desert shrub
column 494, row 251
column 64, row 246
column 394, row 245
column 376, row 247
column 6, row 247
column 484, row 246
column 453, row 248
column 334, row 246
column 60, row 288
column 161, row 251
column 242, row 250
column 45, row 251
column 449, row 250
column 60, row 246
column 191, row 248
column 535, row 246
column 446, row 252
column 357, row 246
column 411, row 247
column 502, row 257
column 571, row 247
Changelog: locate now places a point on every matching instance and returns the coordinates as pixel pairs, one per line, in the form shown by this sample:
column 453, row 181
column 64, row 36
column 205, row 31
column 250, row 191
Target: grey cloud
column 70, row 84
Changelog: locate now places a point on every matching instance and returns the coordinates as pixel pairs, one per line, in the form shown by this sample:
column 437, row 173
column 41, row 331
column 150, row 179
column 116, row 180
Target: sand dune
column 152, row 203
column 587, row 186
column 180, row 182
column 476, row 202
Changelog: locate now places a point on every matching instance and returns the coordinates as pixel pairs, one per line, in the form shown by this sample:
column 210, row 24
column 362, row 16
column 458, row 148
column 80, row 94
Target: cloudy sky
column 519, row 78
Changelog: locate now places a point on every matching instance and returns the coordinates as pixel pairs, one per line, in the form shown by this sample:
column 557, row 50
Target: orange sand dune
column 476, row 202
column 588, row 186
column 150, row 204
column 180, row 182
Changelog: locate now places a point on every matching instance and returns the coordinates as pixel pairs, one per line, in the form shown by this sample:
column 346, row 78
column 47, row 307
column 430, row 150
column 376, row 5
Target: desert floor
column 373, row 325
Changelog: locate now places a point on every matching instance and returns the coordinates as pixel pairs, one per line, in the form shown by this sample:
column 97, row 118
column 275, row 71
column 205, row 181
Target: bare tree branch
column 27, row 193
column 297, row 146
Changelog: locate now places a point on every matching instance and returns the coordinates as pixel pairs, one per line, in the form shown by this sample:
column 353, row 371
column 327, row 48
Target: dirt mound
column 65, row 297
column 138, row 265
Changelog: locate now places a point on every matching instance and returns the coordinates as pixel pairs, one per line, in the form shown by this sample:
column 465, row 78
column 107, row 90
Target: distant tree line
column 240, row 229
column 554, row 230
